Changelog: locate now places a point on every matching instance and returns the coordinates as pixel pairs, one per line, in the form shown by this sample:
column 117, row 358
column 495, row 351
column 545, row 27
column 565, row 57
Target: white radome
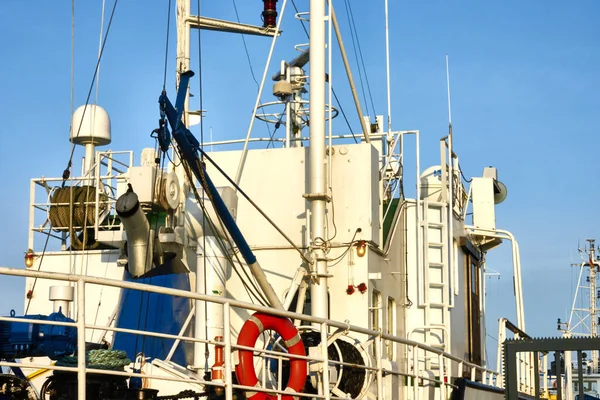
column 95, row 127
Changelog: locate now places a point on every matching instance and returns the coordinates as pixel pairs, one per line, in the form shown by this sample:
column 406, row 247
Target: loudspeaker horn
column 500, row 193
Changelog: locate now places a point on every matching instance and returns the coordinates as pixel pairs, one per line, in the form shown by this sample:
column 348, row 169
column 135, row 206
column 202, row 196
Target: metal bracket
column 317, row 196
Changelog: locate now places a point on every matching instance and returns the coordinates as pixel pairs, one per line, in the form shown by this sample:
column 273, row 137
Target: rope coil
column 75, row 207
column 114, row 360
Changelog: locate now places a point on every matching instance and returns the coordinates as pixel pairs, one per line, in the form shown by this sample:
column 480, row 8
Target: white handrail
column 420, row 352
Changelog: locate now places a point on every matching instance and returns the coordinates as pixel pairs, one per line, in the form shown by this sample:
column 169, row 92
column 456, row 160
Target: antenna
column 449, row 103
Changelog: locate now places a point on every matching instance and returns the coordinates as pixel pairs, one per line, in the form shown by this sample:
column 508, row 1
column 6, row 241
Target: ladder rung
column 435, row 264
column 435, row 224
column 437, row 285
column 437, row 305
column 435, row 244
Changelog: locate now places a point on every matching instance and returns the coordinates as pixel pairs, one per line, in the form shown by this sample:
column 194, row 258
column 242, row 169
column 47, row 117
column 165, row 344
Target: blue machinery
column 26, row 339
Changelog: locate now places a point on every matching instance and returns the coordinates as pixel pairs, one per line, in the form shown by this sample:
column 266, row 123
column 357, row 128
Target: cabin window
column 375, row 310
column 391, row 326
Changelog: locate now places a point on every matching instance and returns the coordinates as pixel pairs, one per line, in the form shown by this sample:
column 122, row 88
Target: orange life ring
column 245, row 372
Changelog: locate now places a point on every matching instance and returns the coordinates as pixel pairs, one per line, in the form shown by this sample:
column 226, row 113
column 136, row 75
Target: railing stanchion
column 379, row 355
column 415, row 372
column 81, row 339
column 325, row 358
column 228, row 351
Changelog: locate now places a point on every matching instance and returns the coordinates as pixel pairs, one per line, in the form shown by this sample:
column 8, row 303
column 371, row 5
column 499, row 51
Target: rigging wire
column 72, row 56
column 359, row 57
column 277, row 125
column 152, row 214
column 344, row 115
column 99, row 49
column 250, row 63
column 252, row 292
column 192, row 184
column 463, row 175
column 301, row 21
column 167, row 45
column 32, row 290
column 239, row 189
column 67, row 171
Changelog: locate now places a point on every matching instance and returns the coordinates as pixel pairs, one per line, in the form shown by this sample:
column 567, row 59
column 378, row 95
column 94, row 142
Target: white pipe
column 504, row 234
column 90, row 153
column 61, row 298
column 300, row 302
column 317, row 187
column 425, row 257
column 228, row 351
column 294, row 285
column 443, row 328
column 418, row 201
column 181, row 332
column 288, row 106
column 81, row 383
column 450, row 250
column 330, row 99
column 387, row 70
column 323, row 326
column 240, row 169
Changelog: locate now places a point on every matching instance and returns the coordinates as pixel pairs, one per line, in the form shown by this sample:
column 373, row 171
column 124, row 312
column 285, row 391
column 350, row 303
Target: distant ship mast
column 583, row 320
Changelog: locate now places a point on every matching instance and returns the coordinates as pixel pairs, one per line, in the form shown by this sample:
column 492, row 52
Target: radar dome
column 90, row 125
column 431, row 183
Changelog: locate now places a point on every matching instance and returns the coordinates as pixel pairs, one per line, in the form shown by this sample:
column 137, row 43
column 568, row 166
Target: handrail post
column 81, row 340
column 325, row 357
column 415, row 373
column 378, row 356
column 228, row 351
column 442, row 376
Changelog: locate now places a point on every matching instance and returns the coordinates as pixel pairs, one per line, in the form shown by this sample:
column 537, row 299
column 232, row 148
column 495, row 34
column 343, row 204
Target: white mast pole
column 387, row 73
column 183, row 65
column 593, row 299
column 317, row 184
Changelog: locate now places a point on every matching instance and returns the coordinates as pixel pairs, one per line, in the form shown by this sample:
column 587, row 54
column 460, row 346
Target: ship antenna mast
column 449, row 103
column 593, row 299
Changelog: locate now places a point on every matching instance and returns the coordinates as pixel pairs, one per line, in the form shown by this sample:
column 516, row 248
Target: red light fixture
column 362, row 287
column 350, row 290
column 270, row 14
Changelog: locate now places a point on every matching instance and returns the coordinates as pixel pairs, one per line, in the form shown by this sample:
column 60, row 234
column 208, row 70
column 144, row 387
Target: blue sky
column 525, row 99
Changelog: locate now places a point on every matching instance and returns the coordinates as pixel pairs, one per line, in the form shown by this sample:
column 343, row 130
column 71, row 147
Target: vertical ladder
column 436, row 275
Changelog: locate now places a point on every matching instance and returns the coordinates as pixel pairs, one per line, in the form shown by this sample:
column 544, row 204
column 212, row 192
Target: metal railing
column 421, row 372
column 108, row 171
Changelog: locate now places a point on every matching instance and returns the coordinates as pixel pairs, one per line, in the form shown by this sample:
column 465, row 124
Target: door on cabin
column 473, row 273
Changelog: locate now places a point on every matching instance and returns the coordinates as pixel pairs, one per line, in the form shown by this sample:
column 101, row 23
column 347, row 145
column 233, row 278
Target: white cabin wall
column 275, row 180
column 96, row 263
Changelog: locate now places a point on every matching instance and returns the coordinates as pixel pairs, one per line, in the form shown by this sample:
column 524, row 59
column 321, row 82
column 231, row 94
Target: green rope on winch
column 75, row 206
column 114, row 360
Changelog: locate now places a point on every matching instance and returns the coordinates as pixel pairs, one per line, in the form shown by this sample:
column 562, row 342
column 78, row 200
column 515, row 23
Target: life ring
column 244, row 370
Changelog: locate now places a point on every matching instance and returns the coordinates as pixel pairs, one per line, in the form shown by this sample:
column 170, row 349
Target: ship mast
column 317, row 195
column 593, row 298
column 583, row 320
